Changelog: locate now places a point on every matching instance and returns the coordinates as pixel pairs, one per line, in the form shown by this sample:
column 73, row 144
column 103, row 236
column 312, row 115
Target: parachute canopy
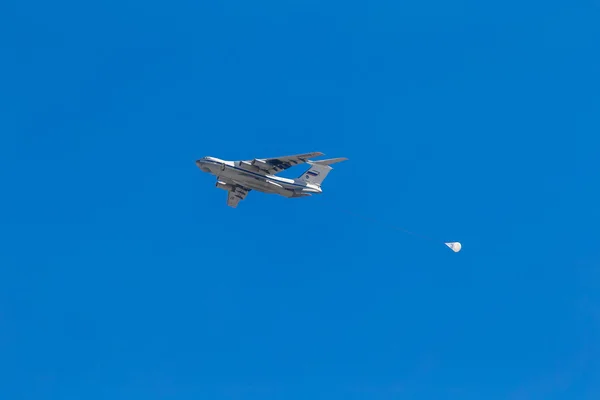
column 455, row 246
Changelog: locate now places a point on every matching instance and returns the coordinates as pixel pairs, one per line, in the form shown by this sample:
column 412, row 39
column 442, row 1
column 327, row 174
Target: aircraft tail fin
column 318, row 171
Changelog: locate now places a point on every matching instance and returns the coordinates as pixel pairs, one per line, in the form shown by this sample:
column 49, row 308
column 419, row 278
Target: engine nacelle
column 249, row 166
column 223, row 185
column 260, row 164
column 310, row 190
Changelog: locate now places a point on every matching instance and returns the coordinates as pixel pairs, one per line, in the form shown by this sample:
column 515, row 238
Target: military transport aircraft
column 240, row 177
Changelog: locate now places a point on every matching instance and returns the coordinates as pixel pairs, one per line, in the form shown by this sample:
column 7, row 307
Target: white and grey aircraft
column 240, row 177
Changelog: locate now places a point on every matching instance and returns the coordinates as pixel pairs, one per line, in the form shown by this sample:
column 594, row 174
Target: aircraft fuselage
column 244, row 175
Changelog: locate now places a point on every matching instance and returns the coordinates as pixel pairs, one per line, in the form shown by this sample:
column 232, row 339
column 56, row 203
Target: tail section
column 318, row 171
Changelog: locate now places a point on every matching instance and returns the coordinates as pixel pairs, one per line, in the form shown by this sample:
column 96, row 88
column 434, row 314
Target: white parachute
column 455, row 246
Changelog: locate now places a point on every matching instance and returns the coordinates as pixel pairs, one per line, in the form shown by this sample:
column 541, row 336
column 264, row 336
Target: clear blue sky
column 123, row 275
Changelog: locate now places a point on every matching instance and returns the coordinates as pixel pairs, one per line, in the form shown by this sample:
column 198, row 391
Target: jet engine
column 300, row 194
column 260, row 164
column 223, row 185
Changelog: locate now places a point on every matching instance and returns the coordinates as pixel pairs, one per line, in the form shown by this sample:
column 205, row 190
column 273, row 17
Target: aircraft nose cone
column 202, row 165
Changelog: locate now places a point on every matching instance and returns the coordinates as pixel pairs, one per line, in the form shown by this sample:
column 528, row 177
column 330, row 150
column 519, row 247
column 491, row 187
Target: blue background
column 123, row 275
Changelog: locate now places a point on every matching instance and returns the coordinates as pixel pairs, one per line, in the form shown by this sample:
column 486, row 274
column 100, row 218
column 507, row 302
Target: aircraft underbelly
column 257, row 183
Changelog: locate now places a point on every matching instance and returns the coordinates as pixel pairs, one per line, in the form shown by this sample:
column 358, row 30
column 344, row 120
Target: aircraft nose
column 203, row 166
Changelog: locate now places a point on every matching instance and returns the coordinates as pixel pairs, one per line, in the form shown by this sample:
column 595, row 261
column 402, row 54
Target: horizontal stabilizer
column 329, row 161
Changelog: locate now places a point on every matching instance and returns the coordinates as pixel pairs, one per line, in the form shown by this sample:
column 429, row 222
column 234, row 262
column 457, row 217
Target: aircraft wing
column 274, row 165
column 235, row 195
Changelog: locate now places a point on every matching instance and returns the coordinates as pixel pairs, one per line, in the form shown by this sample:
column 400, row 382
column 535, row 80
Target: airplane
column 238, row 178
